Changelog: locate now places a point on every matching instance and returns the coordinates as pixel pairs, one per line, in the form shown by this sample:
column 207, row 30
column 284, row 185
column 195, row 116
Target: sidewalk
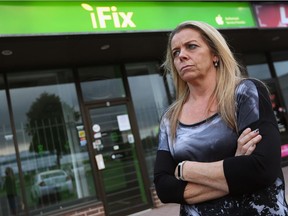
column 173, row 209
column 165, row 210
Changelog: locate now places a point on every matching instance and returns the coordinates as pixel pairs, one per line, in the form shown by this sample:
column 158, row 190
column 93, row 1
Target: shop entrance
column 118, row 166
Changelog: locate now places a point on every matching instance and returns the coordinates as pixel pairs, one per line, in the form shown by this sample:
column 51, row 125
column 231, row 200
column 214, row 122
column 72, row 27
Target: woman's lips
column 185, row 67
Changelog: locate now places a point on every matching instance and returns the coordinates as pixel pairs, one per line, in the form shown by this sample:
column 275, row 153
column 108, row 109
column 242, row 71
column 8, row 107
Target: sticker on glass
column 96, row 128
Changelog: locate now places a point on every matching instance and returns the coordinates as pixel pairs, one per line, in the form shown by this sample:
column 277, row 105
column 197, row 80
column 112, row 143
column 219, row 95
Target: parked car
column 52, row 182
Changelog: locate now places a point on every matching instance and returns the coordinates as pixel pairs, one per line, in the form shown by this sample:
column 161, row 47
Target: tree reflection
column 46, row 125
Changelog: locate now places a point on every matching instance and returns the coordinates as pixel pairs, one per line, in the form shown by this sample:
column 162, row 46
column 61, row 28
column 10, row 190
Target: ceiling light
column 275, row 38
column 6, row 52
column 105, row 47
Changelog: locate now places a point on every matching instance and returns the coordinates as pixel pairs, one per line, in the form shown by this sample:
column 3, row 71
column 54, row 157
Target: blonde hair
column 228, row 76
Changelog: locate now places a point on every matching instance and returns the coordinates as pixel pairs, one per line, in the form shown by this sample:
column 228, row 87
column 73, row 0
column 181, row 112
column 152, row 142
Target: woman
column 198, row 162
column 11, row 191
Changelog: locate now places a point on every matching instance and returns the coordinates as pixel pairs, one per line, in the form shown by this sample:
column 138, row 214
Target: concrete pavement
column 167, row 210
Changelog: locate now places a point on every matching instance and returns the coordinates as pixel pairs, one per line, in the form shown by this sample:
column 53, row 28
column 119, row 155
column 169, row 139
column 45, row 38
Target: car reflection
column 49, row 185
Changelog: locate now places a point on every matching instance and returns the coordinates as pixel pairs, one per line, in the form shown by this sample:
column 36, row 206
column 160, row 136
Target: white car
column 49, row 183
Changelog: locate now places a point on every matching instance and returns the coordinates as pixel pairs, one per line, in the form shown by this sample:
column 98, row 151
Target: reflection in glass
column 257, row 66
column 9, row 186
column 122, row 176
column 280, row 62
column 281, row 68
column 259, row 71
column 98, row 83
column 10, row 193
column 150, row 100
column 51, row 138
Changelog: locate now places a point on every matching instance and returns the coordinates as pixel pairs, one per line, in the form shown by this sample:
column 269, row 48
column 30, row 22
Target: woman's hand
column 247, row 141
column 207, row 181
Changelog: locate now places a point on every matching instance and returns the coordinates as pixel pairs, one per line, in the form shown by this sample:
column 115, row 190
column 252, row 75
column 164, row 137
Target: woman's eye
column 176, row 53
column 191, row 46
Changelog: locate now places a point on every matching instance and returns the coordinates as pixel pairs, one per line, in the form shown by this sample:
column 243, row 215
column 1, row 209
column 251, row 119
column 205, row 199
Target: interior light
column 7, row 52
column 105, row 47
column 275, row 38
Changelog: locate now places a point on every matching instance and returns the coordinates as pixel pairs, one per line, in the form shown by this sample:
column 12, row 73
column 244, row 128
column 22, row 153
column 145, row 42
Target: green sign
column 54, row 17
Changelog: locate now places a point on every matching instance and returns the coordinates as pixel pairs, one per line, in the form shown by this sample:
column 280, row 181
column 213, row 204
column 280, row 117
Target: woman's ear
column 215, row 61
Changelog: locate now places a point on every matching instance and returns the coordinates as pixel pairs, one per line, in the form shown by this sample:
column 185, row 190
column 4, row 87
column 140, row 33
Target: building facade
column 82, row 92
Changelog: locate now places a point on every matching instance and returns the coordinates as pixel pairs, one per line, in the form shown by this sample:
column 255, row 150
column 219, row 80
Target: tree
column 47, row 127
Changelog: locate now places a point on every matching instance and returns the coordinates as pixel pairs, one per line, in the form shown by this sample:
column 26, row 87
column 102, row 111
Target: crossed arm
column 207, row 181
column 203, row 181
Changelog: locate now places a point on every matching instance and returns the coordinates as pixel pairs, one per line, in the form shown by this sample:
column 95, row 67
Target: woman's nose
column 182, row 54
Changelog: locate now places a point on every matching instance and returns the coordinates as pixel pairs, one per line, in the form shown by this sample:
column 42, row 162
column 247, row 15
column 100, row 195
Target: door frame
column 284, row 135
column 98, row 178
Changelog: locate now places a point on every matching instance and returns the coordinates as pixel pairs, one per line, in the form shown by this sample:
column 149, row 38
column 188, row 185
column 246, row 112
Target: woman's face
column 191, row 56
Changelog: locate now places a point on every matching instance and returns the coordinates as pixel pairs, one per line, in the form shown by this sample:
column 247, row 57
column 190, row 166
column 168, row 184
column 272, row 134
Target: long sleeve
column 168, row 188
column 245, row 174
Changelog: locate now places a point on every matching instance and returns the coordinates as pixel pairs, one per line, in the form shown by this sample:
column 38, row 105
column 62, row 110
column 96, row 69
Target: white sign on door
column 123, row 122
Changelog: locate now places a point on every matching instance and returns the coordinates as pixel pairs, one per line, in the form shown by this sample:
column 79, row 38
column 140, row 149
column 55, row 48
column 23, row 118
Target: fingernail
column 256, row 130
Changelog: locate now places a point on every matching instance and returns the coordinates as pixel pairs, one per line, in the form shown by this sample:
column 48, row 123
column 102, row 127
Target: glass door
column 117, row 161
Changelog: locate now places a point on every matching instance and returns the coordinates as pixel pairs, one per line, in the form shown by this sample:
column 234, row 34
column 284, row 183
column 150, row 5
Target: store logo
column 219, row 20
column 102, row 15
column 283, row 16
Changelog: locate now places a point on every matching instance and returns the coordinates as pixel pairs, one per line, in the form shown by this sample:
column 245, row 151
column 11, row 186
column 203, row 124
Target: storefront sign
column 284, row 150
column 54, row 17
column 272, row 15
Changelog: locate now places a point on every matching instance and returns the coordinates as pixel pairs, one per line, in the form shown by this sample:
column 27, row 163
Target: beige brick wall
column 156, row 201
column 97, row 210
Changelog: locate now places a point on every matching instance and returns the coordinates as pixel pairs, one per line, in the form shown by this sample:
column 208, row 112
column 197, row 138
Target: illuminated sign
column 109, row 13
column 54, row 17
column 272, row 15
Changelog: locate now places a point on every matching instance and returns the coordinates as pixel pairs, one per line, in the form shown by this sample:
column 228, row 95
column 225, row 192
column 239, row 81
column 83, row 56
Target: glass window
column 51, row 139
column 150, row 100
column 280, row 62
column 171, row 87
column 121, row 173
column 100, row 83
column 257, row 66
column 281, row 67
column 10, row 192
